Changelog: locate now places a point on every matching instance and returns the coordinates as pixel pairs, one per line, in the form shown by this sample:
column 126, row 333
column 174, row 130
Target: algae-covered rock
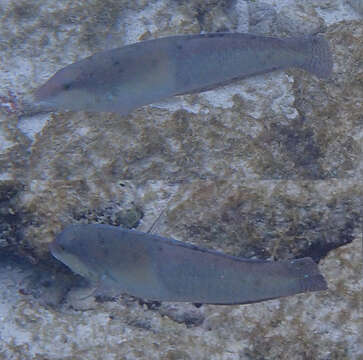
column 268, row 219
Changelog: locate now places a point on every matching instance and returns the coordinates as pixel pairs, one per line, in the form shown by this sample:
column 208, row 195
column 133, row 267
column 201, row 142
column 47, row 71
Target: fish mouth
column 47, row 91
column 42, row 93
column 55, row 249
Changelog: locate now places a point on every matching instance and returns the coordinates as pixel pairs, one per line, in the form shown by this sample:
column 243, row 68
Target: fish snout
column 55, row 248
column 47, row 91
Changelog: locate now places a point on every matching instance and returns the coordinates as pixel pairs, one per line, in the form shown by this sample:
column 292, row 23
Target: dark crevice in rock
column 47, row 282
column 12, row 219
column 320, row 249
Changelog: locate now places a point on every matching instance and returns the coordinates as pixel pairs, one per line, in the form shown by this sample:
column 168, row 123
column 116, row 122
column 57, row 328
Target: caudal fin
column 306, row 271
column 319, row 59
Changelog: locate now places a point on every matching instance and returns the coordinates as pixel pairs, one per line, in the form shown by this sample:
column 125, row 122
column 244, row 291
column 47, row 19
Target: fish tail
column 318, row 56
column 308, row 275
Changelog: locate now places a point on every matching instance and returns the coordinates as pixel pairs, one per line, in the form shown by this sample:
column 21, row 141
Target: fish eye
column 67, row 86
column 60, row 245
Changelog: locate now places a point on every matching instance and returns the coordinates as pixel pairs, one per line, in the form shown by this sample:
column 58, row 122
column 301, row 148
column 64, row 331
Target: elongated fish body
column 123, row 79
column 151, row 267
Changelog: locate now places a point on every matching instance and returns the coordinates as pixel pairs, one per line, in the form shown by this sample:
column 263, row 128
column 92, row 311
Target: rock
column 262, row 17
column 357, row 5
column 266, row 219
column 183, row 314
column 49, row 288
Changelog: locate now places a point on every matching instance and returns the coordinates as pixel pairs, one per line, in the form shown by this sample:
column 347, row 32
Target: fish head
column 70, row 247
column 66, row 89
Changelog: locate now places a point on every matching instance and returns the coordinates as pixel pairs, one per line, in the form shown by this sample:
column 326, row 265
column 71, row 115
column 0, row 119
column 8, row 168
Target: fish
column 119, row 261
column 123, row 79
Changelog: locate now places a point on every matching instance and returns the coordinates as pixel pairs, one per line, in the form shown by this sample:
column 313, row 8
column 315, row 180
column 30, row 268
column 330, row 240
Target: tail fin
column 319, row 59
column 308, row 275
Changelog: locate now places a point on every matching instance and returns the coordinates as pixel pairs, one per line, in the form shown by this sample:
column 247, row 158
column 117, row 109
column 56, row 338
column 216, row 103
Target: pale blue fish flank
column 119, row 261
column 124, row 79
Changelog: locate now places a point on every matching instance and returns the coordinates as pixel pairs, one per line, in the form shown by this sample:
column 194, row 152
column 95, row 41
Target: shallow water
column 269, row 168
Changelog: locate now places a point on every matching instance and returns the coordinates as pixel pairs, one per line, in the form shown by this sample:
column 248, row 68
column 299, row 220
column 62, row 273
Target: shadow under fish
column 119, row 261
column 123, row 79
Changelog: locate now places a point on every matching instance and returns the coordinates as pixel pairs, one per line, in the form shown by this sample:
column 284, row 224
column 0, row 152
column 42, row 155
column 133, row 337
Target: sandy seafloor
column 269, row 167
